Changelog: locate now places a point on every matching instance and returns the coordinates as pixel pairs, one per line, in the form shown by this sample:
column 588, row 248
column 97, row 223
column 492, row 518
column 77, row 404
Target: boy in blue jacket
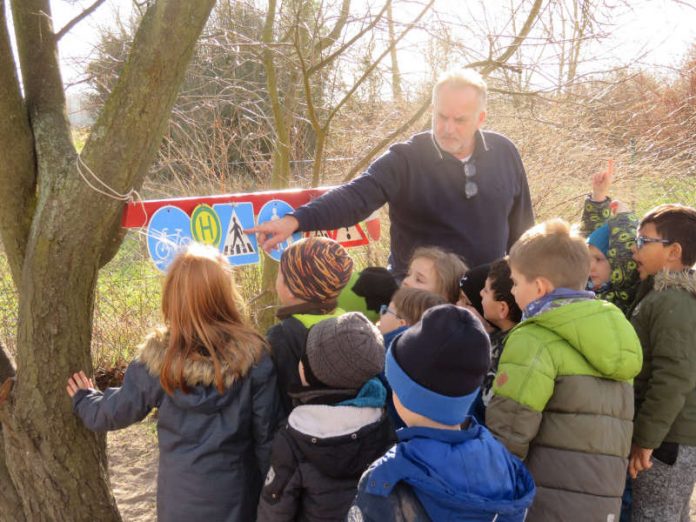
column 445, row 466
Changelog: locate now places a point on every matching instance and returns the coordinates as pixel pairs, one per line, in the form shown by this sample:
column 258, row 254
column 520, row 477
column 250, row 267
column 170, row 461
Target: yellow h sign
column 205, row 226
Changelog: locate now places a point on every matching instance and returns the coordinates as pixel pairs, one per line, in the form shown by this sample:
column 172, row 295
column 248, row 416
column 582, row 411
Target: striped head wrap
column 316, row 269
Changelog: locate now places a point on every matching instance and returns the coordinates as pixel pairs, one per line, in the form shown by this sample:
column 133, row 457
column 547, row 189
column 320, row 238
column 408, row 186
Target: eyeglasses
column 384, row 310
column 641, row 241
column 470, row 188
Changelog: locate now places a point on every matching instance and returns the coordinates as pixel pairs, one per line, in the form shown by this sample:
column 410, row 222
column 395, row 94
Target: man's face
column 457, row 115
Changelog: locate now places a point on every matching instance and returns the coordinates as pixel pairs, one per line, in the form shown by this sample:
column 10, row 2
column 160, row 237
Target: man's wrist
column 295, row 221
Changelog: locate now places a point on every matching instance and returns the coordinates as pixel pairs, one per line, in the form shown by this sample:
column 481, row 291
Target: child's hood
column 340, row 441
column 465, row 471
column 199, row 375
column 683, row 280
column 599, row 331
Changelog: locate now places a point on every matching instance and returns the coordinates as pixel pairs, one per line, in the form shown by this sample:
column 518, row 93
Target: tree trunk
column 57, row 467
column 10, row 504
column 397, row 92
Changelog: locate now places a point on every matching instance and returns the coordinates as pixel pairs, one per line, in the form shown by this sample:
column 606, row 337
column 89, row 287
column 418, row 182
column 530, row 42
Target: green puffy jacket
column 563, row 401
column 665, row 320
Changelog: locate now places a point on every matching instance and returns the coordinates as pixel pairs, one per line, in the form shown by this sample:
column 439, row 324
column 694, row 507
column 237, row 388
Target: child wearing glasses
column 405, row 309
column 562, row 397
column 610, row 228
column 663, row 453
column 437, row 271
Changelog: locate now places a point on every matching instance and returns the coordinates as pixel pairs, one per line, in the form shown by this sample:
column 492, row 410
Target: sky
column 659, row 31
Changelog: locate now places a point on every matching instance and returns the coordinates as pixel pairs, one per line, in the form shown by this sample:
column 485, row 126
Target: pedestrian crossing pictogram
column 239, row 248
column 236, row 242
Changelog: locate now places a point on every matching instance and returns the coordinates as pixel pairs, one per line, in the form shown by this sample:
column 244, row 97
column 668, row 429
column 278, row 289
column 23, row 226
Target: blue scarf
column 559, row 297
column 373, row 394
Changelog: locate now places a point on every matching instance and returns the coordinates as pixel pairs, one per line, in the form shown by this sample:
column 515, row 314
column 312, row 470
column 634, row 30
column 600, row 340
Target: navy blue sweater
column 424, row 187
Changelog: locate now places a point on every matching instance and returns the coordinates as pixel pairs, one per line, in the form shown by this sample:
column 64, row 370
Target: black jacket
column 424, row 187
column 317, row 460
column 288, row 340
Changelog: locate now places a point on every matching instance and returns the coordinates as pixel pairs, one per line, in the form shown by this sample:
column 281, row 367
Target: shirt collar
column 479, row 137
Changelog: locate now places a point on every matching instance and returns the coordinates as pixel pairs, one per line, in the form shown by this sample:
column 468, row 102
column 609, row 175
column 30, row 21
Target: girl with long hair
column 209, row 374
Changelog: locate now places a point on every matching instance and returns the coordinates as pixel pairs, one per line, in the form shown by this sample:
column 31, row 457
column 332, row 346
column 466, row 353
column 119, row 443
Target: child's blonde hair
column 410, row 303
column 449, row 269
column 553, row 251
column 202, row 311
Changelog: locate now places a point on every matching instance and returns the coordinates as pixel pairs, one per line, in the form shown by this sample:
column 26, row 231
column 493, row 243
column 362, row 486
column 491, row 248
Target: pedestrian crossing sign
column 239, row 248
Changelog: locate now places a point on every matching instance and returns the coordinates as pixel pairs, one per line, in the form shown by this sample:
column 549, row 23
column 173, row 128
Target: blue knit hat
column 600, row 239
column 437, row 366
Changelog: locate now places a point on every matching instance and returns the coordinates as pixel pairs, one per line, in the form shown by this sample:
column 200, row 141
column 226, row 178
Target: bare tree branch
column 326, row 61
column 376, row 62
column 72, row 23
column 329, row 39
column 526, row 28
column 367, row 158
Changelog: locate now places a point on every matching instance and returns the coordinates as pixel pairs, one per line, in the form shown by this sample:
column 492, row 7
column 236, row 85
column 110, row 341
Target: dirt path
column 133, row 471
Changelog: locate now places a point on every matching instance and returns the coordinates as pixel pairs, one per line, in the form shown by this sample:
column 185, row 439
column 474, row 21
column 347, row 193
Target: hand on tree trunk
column 79, row 381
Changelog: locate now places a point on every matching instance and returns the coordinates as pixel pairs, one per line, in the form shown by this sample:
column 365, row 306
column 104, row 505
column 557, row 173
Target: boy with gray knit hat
column 445, row 466
column 337, row 430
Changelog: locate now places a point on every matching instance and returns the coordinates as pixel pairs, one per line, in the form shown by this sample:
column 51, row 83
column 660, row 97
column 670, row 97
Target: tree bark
column 18, row 161
column 397, row 92
column 10, row 504
column 57, row 466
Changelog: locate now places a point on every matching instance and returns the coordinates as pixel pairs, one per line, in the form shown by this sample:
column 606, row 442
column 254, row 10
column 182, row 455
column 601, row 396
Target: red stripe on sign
column 137, row 214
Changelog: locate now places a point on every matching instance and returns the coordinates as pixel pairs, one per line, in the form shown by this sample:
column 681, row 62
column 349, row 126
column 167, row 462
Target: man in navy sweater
column 456, row 187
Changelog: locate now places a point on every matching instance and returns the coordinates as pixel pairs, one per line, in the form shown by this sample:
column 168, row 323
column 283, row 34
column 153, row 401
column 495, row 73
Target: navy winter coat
column 438, row 475
column 214, row 449
column 424, row 187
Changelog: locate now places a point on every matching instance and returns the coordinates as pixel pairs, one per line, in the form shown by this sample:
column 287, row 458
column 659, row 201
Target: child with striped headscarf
column 312, row 273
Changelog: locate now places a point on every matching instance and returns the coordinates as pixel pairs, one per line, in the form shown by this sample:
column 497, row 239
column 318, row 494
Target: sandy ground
column 133, row 471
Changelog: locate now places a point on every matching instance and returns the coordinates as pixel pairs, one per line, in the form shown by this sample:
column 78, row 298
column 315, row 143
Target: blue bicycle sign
column 169, row 232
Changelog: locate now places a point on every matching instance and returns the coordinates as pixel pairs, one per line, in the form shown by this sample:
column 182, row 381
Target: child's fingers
column 610, row 167
column 86, row 381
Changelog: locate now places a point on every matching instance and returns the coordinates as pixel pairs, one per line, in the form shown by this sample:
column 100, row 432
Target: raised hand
column 271, row 233
column 79, row 381
column 601, row 182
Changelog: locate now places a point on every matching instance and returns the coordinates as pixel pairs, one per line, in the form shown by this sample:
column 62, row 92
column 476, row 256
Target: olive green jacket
column 563, row 401
column 665, row 320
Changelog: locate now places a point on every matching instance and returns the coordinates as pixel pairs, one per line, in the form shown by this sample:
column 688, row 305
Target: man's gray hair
column 463, row 78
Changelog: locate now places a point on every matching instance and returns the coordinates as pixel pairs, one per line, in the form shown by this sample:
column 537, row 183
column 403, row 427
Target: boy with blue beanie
column 445, row 466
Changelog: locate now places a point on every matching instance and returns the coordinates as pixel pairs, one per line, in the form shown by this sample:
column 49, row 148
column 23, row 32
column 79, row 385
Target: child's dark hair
column 410, row 303
column 501, row 284
column 677, row 224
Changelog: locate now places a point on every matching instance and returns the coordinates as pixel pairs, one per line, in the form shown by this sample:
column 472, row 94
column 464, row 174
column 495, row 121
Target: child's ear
column 674, row 252
column 503, row 310
column 543, row 286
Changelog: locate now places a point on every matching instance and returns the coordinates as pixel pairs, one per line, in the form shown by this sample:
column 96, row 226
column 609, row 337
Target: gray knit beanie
column 344, row 351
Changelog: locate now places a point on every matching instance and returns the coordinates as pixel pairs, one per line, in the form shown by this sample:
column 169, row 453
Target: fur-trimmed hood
column 683, row 280
column 199, row 374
